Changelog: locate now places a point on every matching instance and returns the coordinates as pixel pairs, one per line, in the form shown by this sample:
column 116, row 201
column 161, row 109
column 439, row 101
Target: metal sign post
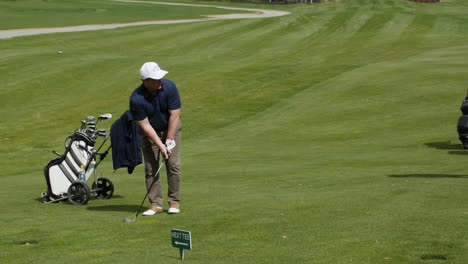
column 181, row 239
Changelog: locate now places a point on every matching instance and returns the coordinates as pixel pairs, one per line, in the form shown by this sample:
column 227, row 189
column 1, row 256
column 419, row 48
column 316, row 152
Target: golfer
column 155, row 106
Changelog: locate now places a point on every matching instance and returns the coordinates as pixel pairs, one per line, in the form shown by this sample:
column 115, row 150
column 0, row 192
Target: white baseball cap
column 151, row 70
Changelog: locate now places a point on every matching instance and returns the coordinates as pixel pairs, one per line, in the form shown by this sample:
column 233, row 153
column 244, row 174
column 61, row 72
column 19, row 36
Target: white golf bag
column 63, row 173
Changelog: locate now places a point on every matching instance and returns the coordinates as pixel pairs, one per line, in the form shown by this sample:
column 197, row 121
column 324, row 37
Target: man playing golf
column 155, row 106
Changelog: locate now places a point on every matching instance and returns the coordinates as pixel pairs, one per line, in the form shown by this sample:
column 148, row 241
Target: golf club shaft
column 147, row 192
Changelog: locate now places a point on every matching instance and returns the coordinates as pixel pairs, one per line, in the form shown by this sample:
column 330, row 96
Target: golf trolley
column 66, row 175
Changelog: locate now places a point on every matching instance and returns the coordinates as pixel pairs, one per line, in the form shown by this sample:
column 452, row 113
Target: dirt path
column 258, row 13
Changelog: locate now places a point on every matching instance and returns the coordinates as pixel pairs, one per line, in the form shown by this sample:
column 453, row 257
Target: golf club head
column 105, row 116
column 129, row 220
column 90, row 119
column 102, row 134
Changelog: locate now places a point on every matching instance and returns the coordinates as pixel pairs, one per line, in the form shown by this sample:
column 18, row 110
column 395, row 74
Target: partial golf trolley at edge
column 62, row 174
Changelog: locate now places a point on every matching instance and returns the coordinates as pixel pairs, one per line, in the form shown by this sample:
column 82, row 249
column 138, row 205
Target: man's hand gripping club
column 148, row 130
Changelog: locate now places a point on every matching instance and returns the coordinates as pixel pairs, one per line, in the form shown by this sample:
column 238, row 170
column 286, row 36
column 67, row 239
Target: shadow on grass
column 428, row 176
column 445, row 145
column 458, row 152
column 114, row 208
column 455, row 149
column 106, row 208
column 39, row 199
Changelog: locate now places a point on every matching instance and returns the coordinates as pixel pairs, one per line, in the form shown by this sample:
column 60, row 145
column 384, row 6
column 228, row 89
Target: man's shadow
column 114, row 208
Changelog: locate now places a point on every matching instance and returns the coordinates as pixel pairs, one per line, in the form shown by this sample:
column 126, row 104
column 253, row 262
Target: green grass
column 59, row 13
column 325, row 136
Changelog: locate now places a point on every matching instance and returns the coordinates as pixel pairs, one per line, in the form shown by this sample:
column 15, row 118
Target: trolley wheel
column 103, row 188
column 45, row 199
column 78, row 193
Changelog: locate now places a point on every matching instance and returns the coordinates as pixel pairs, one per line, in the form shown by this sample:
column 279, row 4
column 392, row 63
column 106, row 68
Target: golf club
column 103, row 117
column 102, row 132
column 130, row 220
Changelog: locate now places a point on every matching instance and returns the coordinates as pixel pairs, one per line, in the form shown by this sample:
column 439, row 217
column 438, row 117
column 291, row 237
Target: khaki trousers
column 173, row 168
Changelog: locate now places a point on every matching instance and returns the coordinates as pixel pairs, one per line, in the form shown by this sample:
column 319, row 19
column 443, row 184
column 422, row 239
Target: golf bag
column 462, row 126
column 66, row 175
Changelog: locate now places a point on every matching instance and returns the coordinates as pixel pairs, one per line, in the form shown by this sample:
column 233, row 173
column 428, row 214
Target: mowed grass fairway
column 324, row 136
column 59, row 13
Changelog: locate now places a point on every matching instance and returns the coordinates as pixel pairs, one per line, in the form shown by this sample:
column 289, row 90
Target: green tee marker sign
column 181, row 239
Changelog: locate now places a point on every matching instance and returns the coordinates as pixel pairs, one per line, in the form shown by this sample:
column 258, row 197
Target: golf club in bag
column 129, row 220
column 462, row 125
column 66, row 175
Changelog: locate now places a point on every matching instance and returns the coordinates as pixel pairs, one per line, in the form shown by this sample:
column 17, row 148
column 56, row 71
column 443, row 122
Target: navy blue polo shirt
column 155, row 107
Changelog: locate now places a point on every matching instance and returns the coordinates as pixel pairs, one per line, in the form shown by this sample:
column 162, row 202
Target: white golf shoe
column 150, row 212
column 174, row 209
